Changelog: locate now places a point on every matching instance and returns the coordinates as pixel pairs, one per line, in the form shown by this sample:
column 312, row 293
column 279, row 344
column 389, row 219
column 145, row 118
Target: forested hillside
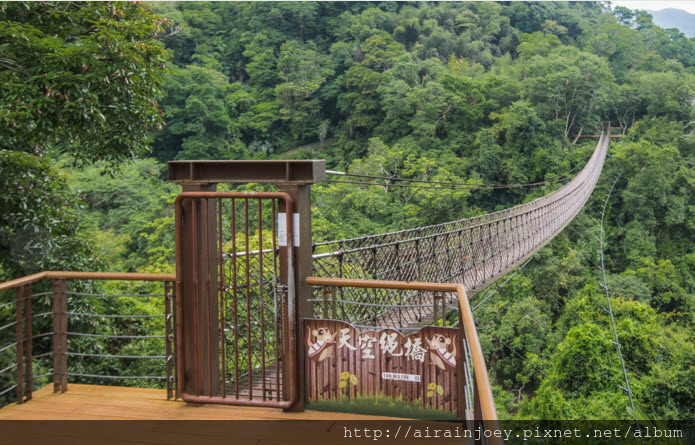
column 475, row 92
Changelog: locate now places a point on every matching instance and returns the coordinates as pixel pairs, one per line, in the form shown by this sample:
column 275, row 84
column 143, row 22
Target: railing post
column 435, row 264
column 324, row 295
column 169, row 334
column 340, row 275
column 418, row 266
column 448, row 257
column 398, row 262
column 438, row 296
column 374, row 265
column 28, row 370
column 19, row 311
column 478, row 417
column 60, row 337
column 333, row 305
column 340, row 260
column 460, row 257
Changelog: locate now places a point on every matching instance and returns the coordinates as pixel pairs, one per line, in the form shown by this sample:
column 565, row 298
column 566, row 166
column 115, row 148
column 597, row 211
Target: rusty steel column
column 303, row 268
column 199, row 260
column 169, row 338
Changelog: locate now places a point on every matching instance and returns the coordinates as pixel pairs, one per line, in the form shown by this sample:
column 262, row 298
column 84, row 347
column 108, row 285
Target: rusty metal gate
column 236, row 316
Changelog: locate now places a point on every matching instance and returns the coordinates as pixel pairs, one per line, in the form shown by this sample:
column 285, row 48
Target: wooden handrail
column 124, row 276
column 482, row 379
column 60, row 326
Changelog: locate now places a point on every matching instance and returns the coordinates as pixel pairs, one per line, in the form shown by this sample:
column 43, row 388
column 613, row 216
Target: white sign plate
column 401, row 377
column 282, row 229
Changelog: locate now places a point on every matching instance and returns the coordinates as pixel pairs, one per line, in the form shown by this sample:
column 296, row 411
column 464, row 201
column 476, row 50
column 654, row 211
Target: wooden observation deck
column 158, row 421
column 95, row 402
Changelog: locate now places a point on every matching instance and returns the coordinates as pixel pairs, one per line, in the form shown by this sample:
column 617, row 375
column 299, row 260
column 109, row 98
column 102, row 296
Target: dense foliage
column 477, row 92
column 80, row 81
column 80, row 77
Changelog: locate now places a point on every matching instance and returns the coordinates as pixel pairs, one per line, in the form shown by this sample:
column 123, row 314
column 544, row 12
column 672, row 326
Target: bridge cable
column 500, row 286
column 490, row 330
column 444, row 184
column 608, row 298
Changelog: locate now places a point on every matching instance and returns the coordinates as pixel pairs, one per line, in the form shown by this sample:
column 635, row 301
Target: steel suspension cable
column 608, row 298
column 444, row 184
column 500, row 286
column 473, row 251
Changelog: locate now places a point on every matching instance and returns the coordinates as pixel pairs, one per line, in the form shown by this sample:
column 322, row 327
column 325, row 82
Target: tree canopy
column 80, row 77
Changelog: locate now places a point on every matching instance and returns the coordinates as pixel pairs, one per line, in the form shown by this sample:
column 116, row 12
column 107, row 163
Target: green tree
column 361, row 101
column 40, row 225
column 621, row 45
column 537, row 44
column 569, row 85
column 303, row 70
column 200, row 107
column 80, row 77
column 129, row 207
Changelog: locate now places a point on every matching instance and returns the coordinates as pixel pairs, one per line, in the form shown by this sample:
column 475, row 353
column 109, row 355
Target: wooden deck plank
column 112, row 391
column 44, row 439
column 151, row 436
column 160, row 426
column 115, row 402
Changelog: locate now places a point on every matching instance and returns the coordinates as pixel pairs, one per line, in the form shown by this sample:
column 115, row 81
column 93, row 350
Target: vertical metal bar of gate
column 201, row 298
column 221, row 301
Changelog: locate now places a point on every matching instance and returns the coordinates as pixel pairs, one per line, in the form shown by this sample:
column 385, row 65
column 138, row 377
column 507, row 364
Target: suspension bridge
column 259, row 315
column 472, row 251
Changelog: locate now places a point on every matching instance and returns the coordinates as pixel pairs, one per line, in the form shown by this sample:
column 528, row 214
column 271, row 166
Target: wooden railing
column 37, row 350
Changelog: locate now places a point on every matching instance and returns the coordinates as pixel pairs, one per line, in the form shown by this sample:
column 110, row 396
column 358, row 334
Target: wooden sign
column 420, row 368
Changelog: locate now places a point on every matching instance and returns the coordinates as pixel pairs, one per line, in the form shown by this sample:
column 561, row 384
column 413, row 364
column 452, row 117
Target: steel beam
column 297, row 172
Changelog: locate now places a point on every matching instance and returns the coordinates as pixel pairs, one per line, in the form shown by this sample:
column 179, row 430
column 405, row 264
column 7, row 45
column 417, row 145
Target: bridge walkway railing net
column 471, row 251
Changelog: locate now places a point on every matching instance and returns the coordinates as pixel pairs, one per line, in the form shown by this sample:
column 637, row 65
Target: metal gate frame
column 291, row 333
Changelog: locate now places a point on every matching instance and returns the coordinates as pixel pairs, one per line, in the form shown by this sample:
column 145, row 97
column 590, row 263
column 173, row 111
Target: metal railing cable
column 454, row 185
column 471, row 251
column 111, row 337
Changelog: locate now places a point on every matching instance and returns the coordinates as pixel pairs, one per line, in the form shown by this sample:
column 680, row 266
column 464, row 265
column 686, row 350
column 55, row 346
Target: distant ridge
column 675, row 18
